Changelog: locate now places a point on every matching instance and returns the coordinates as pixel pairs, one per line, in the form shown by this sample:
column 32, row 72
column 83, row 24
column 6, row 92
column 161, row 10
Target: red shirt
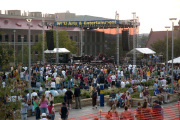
column 109, row 78
column 50, row 109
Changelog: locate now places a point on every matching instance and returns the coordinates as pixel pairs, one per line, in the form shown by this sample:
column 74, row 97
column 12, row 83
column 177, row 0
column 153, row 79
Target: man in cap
column 157, row 111
column 44, row 116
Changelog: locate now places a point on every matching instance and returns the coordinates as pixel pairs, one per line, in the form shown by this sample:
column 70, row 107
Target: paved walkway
column 88, row 110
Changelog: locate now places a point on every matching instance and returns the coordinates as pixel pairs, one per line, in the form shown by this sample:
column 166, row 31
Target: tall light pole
column 134, row 43
column 167, row 27
column 117, row 37
column 22, row 48
column 172, row 20
column 57, row 46
column 14, row 45
column 43, row 40
column 29, row 22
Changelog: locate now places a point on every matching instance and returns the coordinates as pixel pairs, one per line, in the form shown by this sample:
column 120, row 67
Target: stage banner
column 84, row 23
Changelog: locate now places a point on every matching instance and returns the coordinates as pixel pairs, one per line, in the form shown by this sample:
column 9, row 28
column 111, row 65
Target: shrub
column 59, row 99
column 128, row 85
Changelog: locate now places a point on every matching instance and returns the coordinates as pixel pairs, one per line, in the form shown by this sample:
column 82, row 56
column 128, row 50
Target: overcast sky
column 153, row 14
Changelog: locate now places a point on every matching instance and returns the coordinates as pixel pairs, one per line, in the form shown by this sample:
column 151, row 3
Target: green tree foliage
column 25, row 55
column 6, row 54
column 10, row 108
column 65, row 42
column 160, row 47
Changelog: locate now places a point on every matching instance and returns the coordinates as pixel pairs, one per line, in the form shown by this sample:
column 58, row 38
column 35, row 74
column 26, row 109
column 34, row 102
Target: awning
column 142, row 50
column 57, row 50
column 175, row 60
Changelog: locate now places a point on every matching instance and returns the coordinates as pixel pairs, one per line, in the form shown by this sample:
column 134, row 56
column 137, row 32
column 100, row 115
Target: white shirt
column 127, row 82
column 46, row 77
column 40, row 89
column 94, row 79
column 3, row 84
column 55, row 74
column 34, row 94
column 41, row 73
column 163, row 82
column 47, row 93
column 53, row 85
column 64, row 90
column 63, row 72
column 113, row 77
column 21, row 74
column 122, row 73
column 122, row 84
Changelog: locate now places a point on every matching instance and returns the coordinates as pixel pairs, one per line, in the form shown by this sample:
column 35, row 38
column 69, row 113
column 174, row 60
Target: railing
column 171, row 112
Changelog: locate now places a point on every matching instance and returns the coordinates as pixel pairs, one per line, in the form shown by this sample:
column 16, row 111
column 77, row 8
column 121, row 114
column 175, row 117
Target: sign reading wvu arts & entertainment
column 91, row 23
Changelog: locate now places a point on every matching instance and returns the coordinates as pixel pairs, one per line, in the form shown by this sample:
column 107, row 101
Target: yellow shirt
column 148, row 73
column 57, row 80
column 105, row 70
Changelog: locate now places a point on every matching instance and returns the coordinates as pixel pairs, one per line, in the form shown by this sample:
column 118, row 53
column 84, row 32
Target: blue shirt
column 156, row 91
column 118, row 96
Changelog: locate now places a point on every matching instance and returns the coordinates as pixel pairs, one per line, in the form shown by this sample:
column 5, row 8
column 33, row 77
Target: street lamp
column 167, row 27
column 134, row 44
column 29, row 22
column 22, row 48
column 14, row 45
column 172, row 20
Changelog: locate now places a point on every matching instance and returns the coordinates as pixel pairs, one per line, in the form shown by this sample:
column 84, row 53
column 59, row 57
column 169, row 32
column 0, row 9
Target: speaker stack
column 125, row 40
column 50, row 40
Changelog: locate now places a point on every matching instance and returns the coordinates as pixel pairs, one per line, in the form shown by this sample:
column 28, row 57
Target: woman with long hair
column 114, row 113
column 94, row 95
column 36, row 108
column 43, row 104
column 51, row 98
column 51, row 110
column 146, row 111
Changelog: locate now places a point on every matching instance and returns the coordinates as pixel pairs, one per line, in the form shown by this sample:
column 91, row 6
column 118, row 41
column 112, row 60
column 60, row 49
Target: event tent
column 142, row 50
column 57, row 50
column 175, row 60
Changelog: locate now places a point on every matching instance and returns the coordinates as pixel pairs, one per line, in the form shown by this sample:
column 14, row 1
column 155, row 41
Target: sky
column 153, row 14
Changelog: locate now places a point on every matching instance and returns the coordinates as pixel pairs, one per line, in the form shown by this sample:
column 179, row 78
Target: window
column 19, row 48
column 19, row 38
column 0, row 38
column 6, row 38
column 25, row 38
column 71, row 37
column 12, row 37
column 75, row 38
column 31, row 38
column 36, row 38
column 36, row 52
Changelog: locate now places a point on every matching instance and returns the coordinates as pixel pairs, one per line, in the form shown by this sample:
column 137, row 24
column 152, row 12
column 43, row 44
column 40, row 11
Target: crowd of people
column 49, row 81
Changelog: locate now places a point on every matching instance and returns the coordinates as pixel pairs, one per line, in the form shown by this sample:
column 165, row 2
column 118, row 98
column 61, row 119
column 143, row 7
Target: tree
column 65, row 42
column 5, row 56
column 159, row 46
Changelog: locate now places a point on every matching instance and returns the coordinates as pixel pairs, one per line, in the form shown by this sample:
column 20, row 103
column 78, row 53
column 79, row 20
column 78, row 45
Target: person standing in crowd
column 69, row 96
column 63, row 112
column 24, row 107
column 113, row 113
column 126, row 115
column 36, row 108
column 77, row 93
column 157, row 111
column 146, row 112
column 57, row 79
column 113, row 79
column 51, row 110
column 94, row 95
column 43, row 103
column 51, row 98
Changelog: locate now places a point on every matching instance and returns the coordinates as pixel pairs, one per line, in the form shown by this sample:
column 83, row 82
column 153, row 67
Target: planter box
column 173, row 98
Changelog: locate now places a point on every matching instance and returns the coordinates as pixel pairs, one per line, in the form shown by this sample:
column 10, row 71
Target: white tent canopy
column 175, row 60
column 57, row 50
column 142, row 50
